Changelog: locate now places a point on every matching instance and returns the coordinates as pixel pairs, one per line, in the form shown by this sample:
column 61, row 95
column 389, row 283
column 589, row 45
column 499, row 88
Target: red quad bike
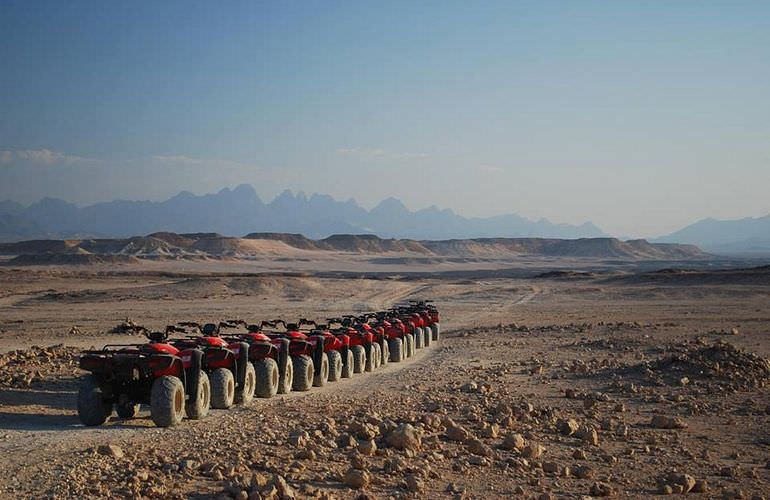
column 430, row 315
column 270, row 357
column 309, row 360
column 232, row 378
column 413, row 324
column 394, row 333
column 364, row 353
column 377, row 326
column 169, row 379
column 336, row 348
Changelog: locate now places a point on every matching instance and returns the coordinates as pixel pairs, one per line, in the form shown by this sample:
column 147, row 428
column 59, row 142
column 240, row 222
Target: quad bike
column 233, row 379
column 365, row 346
column 336, row 347
column 430, row 315
column 310, row 362
column 169, row 379
column 270, row 357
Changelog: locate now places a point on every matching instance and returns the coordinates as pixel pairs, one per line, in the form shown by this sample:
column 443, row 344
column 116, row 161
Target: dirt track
column 487, row 376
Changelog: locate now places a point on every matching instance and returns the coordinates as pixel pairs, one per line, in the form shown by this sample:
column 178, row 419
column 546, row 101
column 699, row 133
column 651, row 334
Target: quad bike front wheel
column 396, row 347
column 428, row 336
column 347, row 366
column 92, row 408
column 320, row 379
column 385, row 349
column 335, row 365
column 409, row 345
column 359, row 359
column 435, row 329
column 245, row 394
column 419, row 336
column 167, row 401
column 222, row 388
column 376, row 355
column 303, row 373
column 197, row 408
column 268, row 378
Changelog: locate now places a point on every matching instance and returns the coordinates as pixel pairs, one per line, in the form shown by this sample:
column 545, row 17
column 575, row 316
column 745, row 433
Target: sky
column 641, row 117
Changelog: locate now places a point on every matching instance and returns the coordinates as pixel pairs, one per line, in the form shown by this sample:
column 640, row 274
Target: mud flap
column 283, row 357
column 240, row 365
column 318, row 355
column 193, row 376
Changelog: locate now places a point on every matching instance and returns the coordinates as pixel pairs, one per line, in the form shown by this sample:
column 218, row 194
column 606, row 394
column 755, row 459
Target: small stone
column 602, row 490
column 478, row 447
column 414, row 484
column 356, row 479
column 111, row 450
column 458, row 433
column 551, row 467
column 367, row 448
column 567, row 427
column 405, row 437
column 533, row 450
column 584, row 472
column 701, row 486
column 513, row 442
column 664, row 422
column 686, row 481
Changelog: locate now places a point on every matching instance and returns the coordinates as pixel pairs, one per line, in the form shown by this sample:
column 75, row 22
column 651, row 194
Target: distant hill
column 731, row 237
column 240, row 211
column 160, row 246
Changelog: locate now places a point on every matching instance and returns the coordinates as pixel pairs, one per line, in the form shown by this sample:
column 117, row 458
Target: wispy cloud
column 41, row 157
column 374, row 154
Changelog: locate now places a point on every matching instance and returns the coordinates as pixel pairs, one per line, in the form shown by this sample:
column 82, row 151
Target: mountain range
column 240, row 211
column 748, row 236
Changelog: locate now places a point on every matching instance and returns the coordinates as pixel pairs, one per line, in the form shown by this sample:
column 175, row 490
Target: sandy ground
column 513, row 350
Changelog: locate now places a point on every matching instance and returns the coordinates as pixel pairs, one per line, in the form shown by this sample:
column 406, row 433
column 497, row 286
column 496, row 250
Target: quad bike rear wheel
column 286, row 379
column 303, row 373
column 268, row 378
column 320, row 379
column 359, row 359
column 409, row 350
column 245, row 394
column 347, row 366
column 92, row 408
column 369, row 366
column 222, row 388
column 197, row 408
column 335, row 365
column 385, row 348
column 435, row 329
column 167, row 401
column 419, row 336
column 396, row 347
column 428, row 336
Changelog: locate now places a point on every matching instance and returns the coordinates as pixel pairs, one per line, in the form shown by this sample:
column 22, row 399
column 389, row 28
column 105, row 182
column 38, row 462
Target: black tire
column 92, row 408
column 322, row 377
column 347, row 366
column 419, row 336
column 222, row 388
column 359, row 358
column 335, row 365
column 408, row 345
column 396, row 350
column 428, row 336
column 286, row 379
column 245, row 395
column 197, row 408
column 435, row 329
column 128, row 410
column 268, row 378
column 369, row 366
column 167, row 401
column 384, row 347
column 376, row 355
column 303, row 373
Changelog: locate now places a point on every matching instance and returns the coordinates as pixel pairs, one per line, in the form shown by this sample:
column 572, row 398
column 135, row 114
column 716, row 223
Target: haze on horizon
column 641, row 117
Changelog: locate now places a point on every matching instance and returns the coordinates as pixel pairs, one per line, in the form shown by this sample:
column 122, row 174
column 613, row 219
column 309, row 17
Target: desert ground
column 622, row 382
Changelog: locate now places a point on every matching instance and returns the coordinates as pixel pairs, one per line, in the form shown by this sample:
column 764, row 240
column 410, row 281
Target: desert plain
column 555, row 377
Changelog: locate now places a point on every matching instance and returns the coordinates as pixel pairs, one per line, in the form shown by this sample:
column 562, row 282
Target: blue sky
column 638, row 116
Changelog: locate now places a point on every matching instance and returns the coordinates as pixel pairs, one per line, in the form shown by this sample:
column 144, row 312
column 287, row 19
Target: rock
column 567, row 427
column 513, row 442
column 363, row 430
column 533, row 450
column 491, row 431
column 477, row 460
column 299, row 439
column 356, row 479
column 405, row 437
column 284, row 490
column 367, row 448
column 686, row 481
column 551, row 467
column 664, row 422
column 111, row 450
column 589, row 435
column 700, row 486
column 584, row 472
column 579, row 455
column 458, row 433
column 414, row 484
column 602, row 490
column 478, row 447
